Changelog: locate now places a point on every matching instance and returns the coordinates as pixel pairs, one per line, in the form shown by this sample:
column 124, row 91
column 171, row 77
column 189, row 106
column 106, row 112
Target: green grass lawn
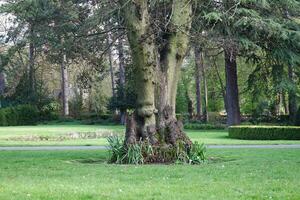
column 84, row 175
column 10, row 136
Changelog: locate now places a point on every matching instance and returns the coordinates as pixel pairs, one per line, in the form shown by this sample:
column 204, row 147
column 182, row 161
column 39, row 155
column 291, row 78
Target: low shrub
column 94, row 118
column 264, row 132
column 27, row 114
column 19, row 115
column 2, row 118
column 100, row 122
column 199, row 126
column 11, row 116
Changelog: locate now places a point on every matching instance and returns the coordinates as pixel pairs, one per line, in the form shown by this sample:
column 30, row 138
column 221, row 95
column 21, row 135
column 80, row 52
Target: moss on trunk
column 156, row 72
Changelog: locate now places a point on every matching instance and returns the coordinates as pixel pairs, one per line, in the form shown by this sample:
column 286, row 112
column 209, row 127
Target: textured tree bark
column 292, row 98
column 156, row 72
column 198, row 64
column 232, row 92
column 65, row 86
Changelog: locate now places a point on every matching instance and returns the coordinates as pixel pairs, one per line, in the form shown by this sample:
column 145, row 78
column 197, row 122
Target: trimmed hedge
column 264, row 132
column 19, row 115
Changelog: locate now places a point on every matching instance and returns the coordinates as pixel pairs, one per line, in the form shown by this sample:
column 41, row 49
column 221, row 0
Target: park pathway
column 70, row 148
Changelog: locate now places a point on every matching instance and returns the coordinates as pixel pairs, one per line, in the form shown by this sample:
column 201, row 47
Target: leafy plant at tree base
column 116, row 148
column 143, row 152
column 197, row 153
column 128, row 154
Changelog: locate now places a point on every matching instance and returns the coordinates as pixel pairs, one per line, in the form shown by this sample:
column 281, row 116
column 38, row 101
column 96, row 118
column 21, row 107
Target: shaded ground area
column 76, row 134
column 229, row 174
column 74, row 148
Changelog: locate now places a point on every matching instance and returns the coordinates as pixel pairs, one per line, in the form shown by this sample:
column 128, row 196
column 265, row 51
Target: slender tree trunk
column 111, row 67
column 277, row 104
column 205, row 91
column 280, row 110
column 122, row 76
column 284, row 102
column 232, row 92
column 190, row 105
column 31, row 69
column 292, row 98
column 223, row 88
column 198, row 65
column 2, row 87
column 65, row 86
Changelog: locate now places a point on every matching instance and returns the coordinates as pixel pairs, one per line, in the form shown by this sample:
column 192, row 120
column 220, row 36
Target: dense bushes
column 267, row 119
column 265, row 132
column 202, row 126
column 50, row 111
column 94, row 118
column 19, row 115
column 297, row 121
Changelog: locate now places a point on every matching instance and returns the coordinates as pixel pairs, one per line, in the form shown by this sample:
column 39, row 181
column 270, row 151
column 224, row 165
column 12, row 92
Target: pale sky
column 4, row 21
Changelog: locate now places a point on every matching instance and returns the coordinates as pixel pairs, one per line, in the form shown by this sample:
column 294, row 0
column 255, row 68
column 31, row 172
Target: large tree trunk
column 142, row 125
column 122, row 76
column 232, row 92
column 153, row 67
column 65, row 86
column 292, row 95
column 198, row 65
